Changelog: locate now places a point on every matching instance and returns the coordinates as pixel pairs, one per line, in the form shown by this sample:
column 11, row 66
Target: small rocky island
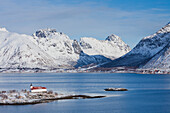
column 116, row 89
column 24, row 97
column 35, row 95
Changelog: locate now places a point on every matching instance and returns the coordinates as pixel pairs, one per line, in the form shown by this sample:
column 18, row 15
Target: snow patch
column 3, row 29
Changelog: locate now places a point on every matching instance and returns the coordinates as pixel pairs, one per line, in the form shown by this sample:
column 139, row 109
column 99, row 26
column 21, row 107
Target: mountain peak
column 113, row 37
column 3, row 29
column 146, row 49
column 50, row 33
column 43, row 33
column 165, row 29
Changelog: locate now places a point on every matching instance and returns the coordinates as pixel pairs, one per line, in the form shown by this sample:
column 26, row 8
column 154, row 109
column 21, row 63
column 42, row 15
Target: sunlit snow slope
column 161, row 60
column 112, row 47
column 47, row 49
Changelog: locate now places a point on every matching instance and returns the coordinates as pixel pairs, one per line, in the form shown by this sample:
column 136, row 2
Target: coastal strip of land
column 24, row 97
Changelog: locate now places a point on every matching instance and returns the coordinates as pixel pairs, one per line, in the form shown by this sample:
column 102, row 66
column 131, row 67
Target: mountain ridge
column 92, row 46
column 144, row 50
column 45, row 49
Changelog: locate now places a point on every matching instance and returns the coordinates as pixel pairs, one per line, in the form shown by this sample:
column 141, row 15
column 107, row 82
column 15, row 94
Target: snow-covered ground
column 25, row 97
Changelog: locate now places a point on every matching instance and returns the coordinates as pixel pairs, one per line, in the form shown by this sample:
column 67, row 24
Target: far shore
column 97, row 70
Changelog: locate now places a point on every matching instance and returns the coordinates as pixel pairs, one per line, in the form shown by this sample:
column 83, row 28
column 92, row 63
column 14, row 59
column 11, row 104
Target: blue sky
column 130, row 19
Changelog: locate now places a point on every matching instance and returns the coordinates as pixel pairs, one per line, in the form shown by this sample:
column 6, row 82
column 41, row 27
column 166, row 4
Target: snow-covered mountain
column 57, row 45
column 112, row 47
column 86, row 60
column 18, row 51
column 145, row 49
column 48, row 49
column 161, row 60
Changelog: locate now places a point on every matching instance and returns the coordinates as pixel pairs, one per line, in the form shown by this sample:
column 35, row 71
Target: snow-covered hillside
column 113, row 47
column 57, row 45
column 152, row 44
column 161, row 60
column 144, row 50
column 49, row 49
column 86, row 60
column 18, row 51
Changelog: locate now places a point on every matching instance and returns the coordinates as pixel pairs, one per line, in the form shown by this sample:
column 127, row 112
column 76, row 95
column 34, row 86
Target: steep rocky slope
column 112, row 47
column 161, row 60
column 57, row 45
column 49, row 49
column 18, row 51
column 144, row 50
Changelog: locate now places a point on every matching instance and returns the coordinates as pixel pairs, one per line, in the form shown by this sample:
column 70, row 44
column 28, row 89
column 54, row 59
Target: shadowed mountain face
column 86, row 60
column 144, row 50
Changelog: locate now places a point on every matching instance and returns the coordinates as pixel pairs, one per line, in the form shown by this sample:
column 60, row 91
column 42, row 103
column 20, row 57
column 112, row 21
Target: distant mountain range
column 151, row 52
column 49, row 49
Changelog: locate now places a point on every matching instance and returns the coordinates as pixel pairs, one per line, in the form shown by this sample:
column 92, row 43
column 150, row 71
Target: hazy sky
column 130, row 19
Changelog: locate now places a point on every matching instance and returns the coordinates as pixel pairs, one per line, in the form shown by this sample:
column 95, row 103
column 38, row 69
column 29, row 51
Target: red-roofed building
column 38, row 89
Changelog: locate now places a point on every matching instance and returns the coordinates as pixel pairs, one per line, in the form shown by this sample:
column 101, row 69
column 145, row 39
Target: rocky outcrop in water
column 25, row 97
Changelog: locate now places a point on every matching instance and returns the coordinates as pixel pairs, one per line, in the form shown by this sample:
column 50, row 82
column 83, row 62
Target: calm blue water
column 147, row 93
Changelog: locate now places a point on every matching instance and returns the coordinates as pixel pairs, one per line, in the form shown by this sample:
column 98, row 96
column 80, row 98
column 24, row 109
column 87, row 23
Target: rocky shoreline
column 116, row 89
column 24, row 97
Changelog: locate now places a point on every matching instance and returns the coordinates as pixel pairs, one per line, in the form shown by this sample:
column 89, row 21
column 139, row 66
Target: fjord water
column 147, row 93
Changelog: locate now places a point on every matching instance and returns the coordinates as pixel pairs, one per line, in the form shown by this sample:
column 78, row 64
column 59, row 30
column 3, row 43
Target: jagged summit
column 45, row 32
column 150, row 45
column 165, row 29
column 113, row 37
column 3, row 29
column 145, row 49
column 49, row 49
column 113, row 47
column 45, row 51
column 168, row 23
column 49, row 33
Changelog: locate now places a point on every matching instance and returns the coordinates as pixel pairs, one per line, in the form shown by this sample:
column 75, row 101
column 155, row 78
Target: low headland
column 24, row 97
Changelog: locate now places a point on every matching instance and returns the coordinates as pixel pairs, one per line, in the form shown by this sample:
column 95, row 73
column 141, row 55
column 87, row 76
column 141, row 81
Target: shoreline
column 24, row 97
column 88, row 72
column 55, row 99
